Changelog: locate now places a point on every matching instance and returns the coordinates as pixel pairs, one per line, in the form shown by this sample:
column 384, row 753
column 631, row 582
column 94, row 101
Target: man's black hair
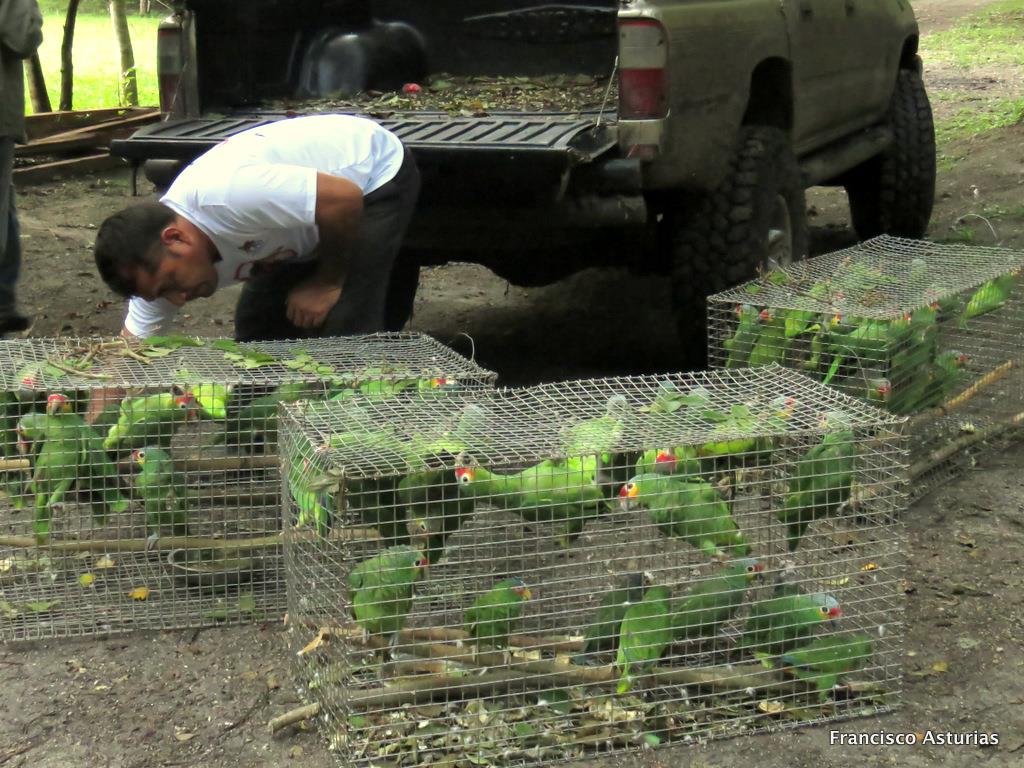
column 128, row 240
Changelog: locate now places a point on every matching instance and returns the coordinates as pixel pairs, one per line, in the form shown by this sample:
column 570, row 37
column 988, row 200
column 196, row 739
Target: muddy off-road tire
column 755, row 219
column 893, row 193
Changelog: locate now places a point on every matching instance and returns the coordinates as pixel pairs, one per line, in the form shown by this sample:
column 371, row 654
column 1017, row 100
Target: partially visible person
column 309, row 213
column 21, row 32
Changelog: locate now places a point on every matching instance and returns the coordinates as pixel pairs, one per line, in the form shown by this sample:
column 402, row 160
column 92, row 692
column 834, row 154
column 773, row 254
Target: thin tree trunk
column 128, row 86
column 37, row 86
column 67, row 69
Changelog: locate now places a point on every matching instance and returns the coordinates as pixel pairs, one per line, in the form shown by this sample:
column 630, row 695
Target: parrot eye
column 140, row 455
column 824, row 610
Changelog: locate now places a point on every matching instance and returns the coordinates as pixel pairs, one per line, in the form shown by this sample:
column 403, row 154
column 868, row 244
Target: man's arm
column 21, row 26
column 339, row 211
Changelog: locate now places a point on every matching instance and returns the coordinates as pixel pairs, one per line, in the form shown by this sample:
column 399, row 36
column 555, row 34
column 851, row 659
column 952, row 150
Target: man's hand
column 310, row 301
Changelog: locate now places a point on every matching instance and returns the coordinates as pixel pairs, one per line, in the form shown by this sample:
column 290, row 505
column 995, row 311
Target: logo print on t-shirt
column 251, row 245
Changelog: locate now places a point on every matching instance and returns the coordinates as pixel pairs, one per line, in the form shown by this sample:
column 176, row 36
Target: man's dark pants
column 10, row 243
column 261, row 310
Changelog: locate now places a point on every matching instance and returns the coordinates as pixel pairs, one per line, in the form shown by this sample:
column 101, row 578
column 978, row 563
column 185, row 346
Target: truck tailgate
column 576, row 138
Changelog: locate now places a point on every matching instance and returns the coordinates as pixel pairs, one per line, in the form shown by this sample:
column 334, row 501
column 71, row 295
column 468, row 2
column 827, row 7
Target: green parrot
column 211, row 399
column 741, row 343
column 436, row 508
column 254, row 424
column 602, row 635
column 163, row 493
column 691, row 510
column 313, row 505
column 549, row 492
column 99, row 476
column 599, row 437
column 990, row 296
column 150, row 420
column 771, row 345
column 740, row 420
column 382, row 383
column 866, row 341
column 57, row 466
column 823, row 480
column 948, row 374
column 644, row 635
column 13, row 481
column 493, row 615
column 680, row 461
column 827, row 658
column 786, row 621
column 381, row 591
column 701, row 613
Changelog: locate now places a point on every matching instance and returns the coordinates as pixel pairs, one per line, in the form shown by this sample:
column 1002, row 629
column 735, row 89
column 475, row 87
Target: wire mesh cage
column 921, row 329
column 594, row 566
column 162, row 509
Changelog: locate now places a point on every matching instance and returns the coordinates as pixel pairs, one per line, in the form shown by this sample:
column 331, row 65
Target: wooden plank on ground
column 36, row 174
column 98, row 135
column 48, row 123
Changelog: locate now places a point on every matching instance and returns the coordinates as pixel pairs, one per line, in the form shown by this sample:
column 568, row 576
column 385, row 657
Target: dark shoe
column 11, row 322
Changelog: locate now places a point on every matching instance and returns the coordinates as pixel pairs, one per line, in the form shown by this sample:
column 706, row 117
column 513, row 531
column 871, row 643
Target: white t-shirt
column 254, row 195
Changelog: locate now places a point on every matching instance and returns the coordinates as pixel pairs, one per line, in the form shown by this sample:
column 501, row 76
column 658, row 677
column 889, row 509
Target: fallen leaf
column 7, row 610
column 105, row 562
column 869, row 567
column 42, row 606
column 101, row 688
column 86, row 579
column 139, row 593
column 941, row 667
column 183, row 734
column 965, row 540
column 836, row 582
column 6, row 564
column 771, row 707
column 967, row 643
column 295, row 752
column 321, row 637
column 272, row 682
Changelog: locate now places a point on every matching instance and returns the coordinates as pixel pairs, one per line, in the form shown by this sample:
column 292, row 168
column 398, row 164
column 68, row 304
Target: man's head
column 147, row 250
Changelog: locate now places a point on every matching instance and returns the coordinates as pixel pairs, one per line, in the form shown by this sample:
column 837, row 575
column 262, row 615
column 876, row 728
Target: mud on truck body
column 675, row 136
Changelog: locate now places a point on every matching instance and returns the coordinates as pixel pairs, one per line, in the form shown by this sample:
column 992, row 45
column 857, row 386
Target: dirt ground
column 203, row 698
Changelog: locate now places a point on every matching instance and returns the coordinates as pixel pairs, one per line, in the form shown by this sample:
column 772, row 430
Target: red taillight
column 170, row 61
column 643, row 70
column 642, row 94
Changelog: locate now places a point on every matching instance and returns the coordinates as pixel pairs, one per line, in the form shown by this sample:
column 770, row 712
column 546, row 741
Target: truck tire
column 756, row 219
column 405, row 280
column 893, row 193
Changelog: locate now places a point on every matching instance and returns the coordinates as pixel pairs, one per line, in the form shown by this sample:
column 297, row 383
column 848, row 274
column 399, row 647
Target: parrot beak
column 137, row 459
column 765, row 315
column 627, row 494
column 526, row 593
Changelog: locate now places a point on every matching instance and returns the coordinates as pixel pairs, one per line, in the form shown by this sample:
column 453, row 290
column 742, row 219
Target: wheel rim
column 779, row 251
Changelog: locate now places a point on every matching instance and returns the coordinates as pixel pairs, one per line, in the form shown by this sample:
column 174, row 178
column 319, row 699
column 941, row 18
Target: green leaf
column 53, row 373
column 246, row 604
column 7, row 610
column 752, row 288
column 833, row 369
column 226, row 345
column 174, row 341
column 652, row 739
column 42, row 606
column 524, row 730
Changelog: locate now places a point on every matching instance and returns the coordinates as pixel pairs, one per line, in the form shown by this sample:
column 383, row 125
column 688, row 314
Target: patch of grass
column 979, row 118
column 994, row 36
column 1001, row 213
column 96, row 59
column 960, row 234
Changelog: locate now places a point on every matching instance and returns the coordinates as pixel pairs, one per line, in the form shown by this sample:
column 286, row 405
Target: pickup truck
column 668, row 136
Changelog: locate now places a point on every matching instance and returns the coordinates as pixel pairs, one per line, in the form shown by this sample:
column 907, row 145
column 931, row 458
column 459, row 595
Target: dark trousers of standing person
column 260, row 314
column 10, row 244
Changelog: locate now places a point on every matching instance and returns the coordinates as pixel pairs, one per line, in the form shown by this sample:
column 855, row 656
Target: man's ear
column 172, row 234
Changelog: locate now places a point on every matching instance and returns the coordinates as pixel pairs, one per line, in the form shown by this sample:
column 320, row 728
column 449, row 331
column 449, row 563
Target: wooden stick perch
column 544, row 674
column 292, row 717
column 183, row 542
column 967, row 395
column 948, row 451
